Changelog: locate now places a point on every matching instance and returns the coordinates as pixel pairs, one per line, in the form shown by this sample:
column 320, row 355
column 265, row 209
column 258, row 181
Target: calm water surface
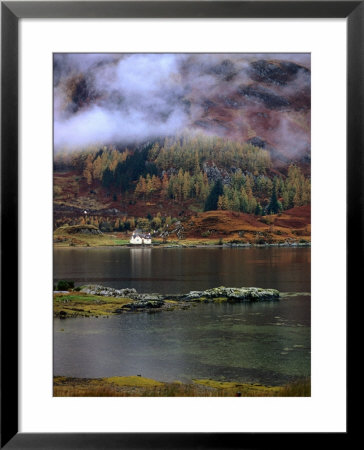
column 261, row 342
column 179, row 270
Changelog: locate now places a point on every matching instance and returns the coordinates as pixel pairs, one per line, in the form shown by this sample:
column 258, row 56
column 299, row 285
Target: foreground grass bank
column 136, row 386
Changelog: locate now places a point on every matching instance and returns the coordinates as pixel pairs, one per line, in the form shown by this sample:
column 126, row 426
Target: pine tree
column 107, row 178
column 274, row 205
column 213, row 197
column 258, row 210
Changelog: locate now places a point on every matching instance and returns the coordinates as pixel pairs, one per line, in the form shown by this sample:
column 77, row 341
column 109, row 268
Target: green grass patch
column 121, row 242
column 245, row 389
column 86, row 305
column 220, row 299
column 133, row 381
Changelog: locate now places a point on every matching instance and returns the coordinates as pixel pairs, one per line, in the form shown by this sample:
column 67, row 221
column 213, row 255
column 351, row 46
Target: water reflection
column 179, row 270
column 141, row 262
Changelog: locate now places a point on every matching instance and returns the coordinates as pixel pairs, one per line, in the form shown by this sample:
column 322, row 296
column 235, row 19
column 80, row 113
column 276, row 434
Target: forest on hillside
column 210, row 173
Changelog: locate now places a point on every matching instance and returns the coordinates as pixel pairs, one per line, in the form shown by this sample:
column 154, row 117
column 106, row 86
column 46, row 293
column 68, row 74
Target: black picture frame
column 11, row 12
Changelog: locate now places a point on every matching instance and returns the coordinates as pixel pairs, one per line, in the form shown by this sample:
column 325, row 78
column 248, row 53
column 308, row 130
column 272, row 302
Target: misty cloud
column 121, row 98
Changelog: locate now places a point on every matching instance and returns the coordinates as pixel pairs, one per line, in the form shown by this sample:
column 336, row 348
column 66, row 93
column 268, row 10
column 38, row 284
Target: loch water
column 266, row 342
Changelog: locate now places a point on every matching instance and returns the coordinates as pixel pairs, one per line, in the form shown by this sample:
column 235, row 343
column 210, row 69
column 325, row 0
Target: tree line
column 123, row 223
column 245, row 192
column 175, row 169
column 261, row 195
column 191, row 152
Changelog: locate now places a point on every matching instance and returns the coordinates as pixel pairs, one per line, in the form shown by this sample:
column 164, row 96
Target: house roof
column 141, row 234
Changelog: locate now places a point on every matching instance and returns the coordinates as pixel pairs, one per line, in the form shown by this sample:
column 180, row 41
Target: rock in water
column 238, row 294
column 141, row 304
column 109, row 292
column 153, row 300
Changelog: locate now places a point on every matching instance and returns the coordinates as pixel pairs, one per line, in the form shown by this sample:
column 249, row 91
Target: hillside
column 265, row 99
column 220, row 143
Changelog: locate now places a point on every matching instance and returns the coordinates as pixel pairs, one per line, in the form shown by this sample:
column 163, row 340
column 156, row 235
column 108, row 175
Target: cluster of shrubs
column 64, row 285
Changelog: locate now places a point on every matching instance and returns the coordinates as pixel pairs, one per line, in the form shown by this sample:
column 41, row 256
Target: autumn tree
column 87, row 172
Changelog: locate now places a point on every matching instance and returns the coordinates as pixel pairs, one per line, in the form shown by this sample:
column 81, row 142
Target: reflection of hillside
column 173, row 271
column 266, row 268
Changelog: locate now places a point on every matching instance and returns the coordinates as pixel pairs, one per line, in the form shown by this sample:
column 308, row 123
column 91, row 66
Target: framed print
column 160, row 164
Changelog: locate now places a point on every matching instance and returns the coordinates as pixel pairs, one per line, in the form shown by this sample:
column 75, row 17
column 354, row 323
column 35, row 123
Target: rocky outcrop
column 137, row 301
column 143, row 301
column 235, row 294
column 140, row 305
column 276, row 72
column 226, row 70
column 215, row 173
column 109, row 292
column 270, row 99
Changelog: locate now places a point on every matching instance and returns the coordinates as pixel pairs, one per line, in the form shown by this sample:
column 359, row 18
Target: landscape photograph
column 181, row 225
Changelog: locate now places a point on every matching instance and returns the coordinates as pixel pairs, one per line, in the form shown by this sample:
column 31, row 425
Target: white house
column 140, row 238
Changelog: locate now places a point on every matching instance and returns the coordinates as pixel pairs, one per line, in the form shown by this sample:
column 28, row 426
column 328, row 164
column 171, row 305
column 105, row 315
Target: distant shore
column 182, row 244
column 291, row 228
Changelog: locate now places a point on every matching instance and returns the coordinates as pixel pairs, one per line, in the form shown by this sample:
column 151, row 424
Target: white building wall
column 136, row 240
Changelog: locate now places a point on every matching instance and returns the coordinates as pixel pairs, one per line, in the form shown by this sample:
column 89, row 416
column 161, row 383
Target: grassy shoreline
column 137, row 386
column 209, row 228
column 213, row 228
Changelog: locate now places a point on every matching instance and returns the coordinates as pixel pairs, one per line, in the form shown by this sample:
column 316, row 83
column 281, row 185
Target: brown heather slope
column 222, row 223
column 249, row 228
column 72, row 195
column 299, row 217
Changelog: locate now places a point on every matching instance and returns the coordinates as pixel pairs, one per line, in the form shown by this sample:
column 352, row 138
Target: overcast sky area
column 101, row 99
